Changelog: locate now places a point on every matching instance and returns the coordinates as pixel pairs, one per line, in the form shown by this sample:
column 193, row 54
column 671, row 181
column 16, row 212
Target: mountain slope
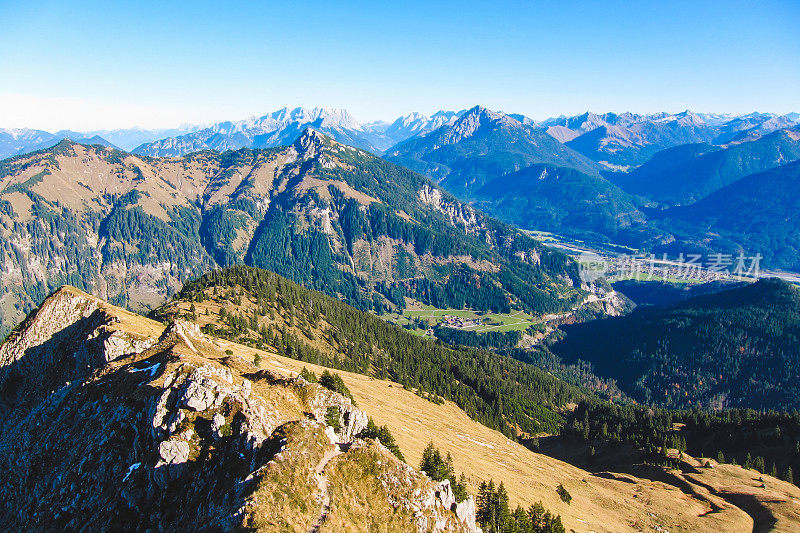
column 276, row 316
column 754, row 125
column 758, row 213
column 560, row 200
column 384, row 135
column 688, row 179
column 169, row 427
column 259, row 308
column 113, row 420
column 735, row 348
column 480, row 146
column 604, row 502
column 132, row 229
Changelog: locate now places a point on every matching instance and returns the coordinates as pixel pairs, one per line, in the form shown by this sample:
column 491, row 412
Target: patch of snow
column 131, row 468
column 479, row 443
column 153, row 369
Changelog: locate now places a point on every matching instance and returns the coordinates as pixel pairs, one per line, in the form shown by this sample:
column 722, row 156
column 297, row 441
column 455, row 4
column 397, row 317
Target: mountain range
column 248, row 400
column 506, row 165
column 283, row 126
column 509, row 168
column 23, row 140
column 627, row 140
column 132, row 228
column 615, row 140
column 481, row 145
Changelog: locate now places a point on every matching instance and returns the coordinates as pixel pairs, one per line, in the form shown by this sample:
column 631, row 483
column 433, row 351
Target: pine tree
column 482, row 512
column 491, row 508
column 503, row 512
column 521, row 520
column 536, row 516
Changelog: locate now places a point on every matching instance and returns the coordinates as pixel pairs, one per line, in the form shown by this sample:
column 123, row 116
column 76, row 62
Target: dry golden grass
column 357, row 496
column 774, row 503
column 717, row 499
column 286, row 497
column 598, row 504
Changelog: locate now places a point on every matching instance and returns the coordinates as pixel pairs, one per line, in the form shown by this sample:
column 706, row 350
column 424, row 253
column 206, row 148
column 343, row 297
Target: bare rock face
column 351, row 419
column 465, row 511
column 217, row 423
column 309, row 144
column 155, row 428
column 458, row 213
column 173, row 455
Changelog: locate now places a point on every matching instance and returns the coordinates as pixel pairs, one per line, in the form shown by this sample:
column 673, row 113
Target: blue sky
column 118, row 64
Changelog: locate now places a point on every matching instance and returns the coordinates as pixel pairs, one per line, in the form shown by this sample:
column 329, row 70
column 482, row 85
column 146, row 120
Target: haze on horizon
column 82, row 66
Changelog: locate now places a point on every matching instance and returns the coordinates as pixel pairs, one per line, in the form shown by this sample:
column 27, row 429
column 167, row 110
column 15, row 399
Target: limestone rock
column 173, row 452
column 217, row 422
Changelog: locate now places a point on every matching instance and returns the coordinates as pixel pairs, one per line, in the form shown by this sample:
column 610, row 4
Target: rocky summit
column 114, row 421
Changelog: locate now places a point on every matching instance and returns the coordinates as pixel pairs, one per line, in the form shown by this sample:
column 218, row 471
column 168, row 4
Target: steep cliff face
column 112, row 421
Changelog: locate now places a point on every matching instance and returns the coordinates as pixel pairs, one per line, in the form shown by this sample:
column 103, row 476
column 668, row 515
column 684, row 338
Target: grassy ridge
column 267, row 310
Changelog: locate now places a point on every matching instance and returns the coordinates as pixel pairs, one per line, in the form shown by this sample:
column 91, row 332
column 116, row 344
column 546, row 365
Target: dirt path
column 323, row 486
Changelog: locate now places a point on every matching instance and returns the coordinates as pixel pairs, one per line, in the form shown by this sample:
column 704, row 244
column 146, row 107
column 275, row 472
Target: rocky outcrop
column 165, row 431
column 70, row 336
column 432, row 505
column 459, row 214
column 351, row 419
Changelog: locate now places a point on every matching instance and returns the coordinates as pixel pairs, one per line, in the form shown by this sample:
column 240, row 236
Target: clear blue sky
column 103, row 64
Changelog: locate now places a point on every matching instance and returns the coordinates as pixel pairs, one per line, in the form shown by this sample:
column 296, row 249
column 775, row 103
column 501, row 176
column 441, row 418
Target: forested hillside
column 257, row 307
column 758, row 213
column 131, row 229
column 561, row 200
column 735, row 348
column 685, row 174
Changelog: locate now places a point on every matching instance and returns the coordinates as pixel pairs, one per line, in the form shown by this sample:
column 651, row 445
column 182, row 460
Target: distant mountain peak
column 468, row 123
column 310, row 143
column 64, row 143
column 483, row 113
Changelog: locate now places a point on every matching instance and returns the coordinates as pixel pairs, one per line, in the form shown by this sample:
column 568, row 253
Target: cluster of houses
column 458, row 322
